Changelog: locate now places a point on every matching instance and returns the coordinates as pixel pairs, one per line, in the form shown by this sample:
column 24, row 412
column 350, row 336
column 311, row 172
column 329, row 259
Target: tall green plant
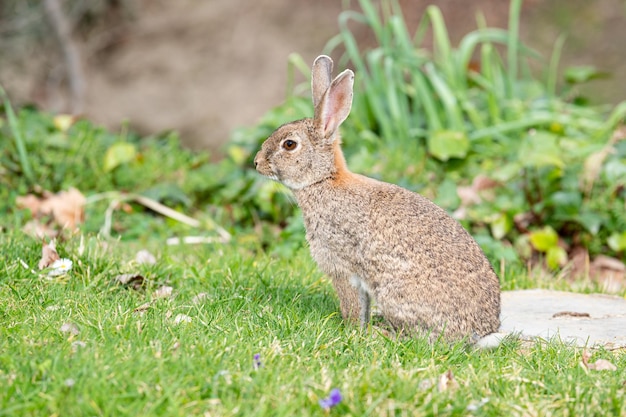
column 438, row 112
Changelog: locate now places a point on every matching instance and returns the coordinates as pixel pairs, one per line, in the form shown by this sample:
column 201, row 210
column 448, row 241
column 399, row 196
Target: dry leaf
column 468, row 196
column 599, row 365
column 522, row 221
column 29, row 202
column 134, row 281
column 39, row 230
column 163, row 292
column 482, row 182
column 48, row 255
column 607, row 262
column 471, row 195
column 594, row 162
column 199, row 298
column 447, row 382
column 602, row 365
column 475, row 406
column 145, row 257
column 70, row 328
column 142, row 308
column 65, row 207
column 609, row 272
column 182, row 318
column 78, row 344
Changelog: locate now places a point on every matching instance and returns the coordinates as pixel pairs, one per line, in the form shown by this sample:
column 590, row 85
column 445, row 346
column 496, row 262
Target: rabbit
column 378, row 241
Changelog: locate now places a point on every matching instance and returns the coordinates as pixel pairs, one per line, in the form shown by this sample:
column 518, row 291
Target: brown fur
column 377, row 240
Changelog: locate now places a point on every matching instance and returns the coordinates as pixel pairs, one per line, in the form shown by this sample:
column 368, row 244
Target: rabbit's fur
column 376, row 240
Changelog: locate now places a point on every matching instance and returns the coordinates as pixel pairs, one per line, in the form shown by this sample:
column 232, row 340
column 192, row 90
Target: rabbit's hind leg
column 365, row 300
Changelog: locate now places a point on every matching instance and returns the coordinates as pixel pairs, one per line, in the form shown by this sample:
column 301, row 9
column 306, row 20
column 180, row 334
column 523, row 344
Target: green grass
column 128, row 363
column 426, row 121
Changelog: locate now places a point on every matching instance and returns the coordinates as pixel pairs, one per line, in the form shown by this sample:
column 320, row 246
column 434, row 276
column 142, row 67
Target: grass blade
column 17, row 135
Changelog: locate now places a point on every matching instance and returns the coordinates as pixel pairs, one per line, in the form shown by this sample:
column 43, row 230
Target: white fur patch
column 490, row 341
column 358, row 283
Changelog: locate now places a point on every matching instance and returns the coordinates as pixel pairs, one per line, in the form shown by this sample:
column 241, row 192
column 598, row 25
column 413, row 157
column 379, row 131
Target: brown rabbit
column 376, row 240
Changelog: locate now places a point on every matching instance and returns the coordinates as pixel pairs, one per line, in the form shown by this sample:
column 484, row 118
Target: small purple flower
column 257, row 361
column 333, row 399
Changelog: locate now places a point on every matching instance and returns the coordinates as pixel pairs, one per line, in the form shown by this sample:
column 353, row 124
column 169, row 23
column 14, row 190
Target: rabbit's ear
column 335, row 104
column 321, row 74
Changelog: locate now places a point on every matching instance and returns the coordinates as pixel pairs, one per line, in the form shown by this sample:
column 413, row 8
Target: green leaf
column 590, row 220
column 238, row 154
column 567, row 202
column 545, row 239
column 556, row 257
column 583, row 73
column 615, row 170
column 501, row 225
column 541, row 149
column 446, row 144
column 447, row 195
column 119, row 153
column 617, row 241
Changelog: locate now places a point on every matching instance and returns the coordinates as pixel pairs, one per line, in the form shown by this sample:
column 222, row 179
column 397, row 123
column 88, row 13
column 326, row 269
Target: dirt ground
column 206, row 67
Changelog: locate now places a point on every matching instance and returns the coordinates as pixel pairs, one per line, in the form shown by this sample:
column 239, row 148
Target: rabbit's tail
column 490, row 341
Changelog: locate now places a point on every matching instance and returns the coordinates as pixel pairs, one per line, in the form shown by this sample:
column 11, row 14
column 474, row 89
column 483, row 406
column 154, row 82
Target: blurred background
column 206, row 67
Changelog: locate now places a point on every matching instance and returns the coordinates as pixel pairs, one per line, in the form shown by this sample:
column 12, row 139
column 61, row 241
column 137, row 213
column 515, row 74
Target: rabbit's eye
column 290, row 145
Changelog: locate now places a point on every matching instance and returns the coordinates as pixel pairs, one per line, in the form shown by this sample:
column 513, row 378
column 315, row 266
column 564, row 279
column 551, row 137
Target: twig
column 70, row 52
column 153, row 205
column 164, row 210
column 194, row 240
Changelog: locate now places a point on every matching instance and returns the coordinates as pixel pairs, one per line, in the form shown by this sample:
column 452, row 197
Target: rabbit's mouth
column 267, row 172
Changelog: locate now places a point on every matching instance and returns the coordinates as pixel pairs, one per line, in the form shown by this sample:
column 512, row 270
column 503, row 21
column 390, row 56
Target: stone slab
column 582, row 319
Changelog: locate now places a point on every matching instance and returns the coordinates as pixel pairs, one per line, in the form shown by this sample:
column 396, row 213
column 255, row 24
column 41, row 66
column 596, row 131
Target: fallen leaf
column 482, row 182
column 598, row 365
column 48, row 255
column 163, row 292
column 471, row 195
column 78, row 344
column 475, row 406
column 447, row 382
column 30, row 202
column 602, row 365
column 182, row 318
column 609, row 272
column 522, row 221
column 145, row 257
column 134, row 281
column 468, row 195
column 40, row 230
column 607, row 262
column 142, row 308
column 70, row 328
column 199, row 298
column 594, row 162
column 65, row 207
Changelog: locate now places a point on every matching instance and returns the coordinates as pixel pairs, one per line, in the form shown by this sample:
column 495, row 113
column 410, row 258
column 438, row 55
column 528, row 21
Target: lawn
column 247, row 325
column 83, row 344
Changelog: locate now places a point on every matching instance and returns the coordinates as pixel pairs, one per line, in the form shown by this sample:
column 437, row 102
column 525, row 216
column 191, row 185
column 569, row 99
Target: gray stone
column 581, row 319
